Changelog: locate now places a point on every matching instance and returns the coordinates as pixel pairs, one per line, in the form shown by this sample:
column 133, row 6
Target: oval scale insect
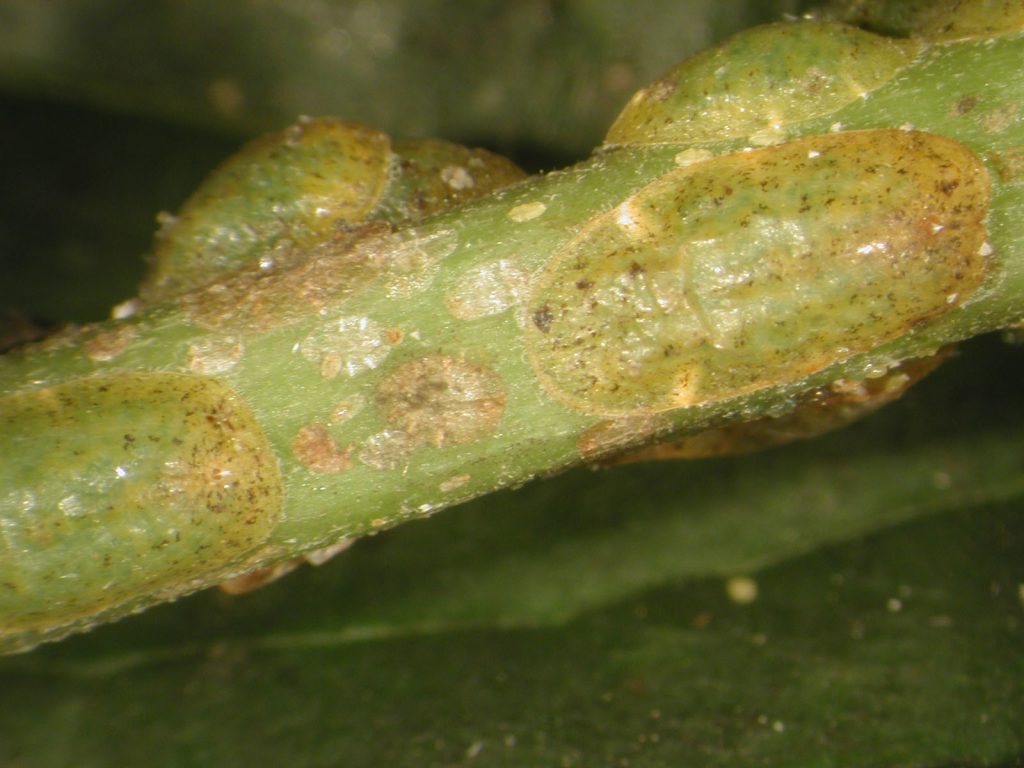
column 140, row 487
column 759, row 268
column 759, row 81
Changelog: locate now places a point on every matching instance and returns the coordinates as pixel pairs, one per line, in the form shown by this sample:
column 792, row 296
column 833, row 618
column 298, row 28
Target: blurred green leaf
column 535, row 72
column 78, row 202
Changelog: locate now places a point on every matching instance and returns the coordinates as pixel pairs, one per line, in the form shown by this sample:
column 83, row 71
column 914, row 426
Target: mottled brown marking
column 1008, row 163
column 1001, row 119
column 442, row 401
column 291, row 283
column 661, row 90
column 542, row 318
column 212, row 355
column 314, row 447
column 963, row 106
column 108, row 343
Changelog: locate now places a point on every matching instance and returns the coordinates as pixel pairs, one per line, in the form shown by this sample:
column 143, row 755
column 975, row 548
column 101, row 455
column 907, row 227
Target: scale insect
column 760, row 268
column 146, row 486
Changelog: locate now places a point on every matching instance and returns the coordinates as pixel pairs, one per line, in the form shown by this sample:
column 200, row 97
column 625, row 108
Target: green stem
column 329, row 389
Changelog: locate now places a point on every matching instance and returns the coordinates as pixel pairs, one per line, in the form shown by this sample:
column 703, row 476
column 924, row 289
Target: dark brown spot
column 963, row 106
column 314, row 447
column 542, row 319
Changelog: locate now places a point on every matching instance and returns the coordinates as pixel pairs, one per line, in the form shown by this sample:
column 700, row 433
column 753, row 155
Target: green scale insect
column 757, row 268
column 448, row 326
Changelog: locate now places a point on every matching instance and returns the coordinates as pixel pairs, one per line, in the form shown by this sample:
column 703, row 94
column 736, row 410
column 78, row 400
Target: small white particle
column 907, row 127
column 527, row 211
column 25, row 501
column 457, row 177
column 741, row 590
column 347, row 408
column 836, row 127
column 125, row 309
column 768, row 137
column 625, row 218
column 71, row 506
column 453, row 482
column 813, row 154
column 894, row 605
column 691, row 156
column 986, row 249
column 322, row 555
